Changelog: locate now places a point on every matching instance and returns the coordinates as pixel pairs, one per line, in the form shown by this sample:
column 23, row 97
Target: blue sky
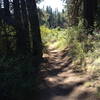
column 53, row 3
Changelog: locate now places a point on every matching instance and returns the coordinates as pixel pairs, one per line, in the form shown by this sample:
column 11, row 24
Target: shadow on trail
column 56, row 62
column 59, row 90
column 60, row 82
column 54, row 72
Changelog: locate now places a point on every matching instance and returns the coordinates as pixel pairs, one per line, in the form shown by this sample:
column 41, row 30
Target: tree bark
column 21, row 38
column 37, row 43
column 73, row 12
column 34, row 27
column 25, row 22
column 89, row 14
column 6, row 15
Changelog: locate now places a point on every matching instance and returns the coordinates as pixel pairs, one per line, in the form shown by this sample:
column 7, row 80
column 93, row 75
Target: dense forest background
column 28, row 34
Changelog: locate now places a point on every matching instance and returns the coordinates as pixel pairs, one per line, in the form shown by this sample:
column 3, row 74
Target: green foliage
column 74, row 38
column 54, row 37
column 52, row 19
column 98, row 92
column 7, row 38
column 60, row 38
column 93, row 58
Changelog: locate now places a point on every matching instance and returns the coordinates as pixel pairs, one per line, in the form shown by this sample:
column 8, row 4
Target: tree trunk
column 89, row 14
column 6, row 15
column 34, row 27
column 25, row 24
column 21, row 39
column 37, row 43
column 73, row 12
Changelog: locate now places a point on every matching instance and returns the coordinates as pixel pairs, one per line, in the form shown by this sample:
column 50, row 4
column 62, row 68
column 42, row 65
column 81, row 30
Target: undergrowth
column 81, row 45
column 84, row 49
column 72, row 37
column 17, row 81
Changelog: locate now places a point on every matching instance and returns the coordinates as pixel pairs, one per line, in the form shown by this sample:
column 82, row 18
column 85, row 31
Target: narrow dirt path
column 60, row 82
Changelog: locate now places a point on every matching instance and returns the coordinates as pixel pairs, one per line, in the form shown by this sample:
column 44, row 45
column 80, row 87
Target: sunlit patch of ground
column 60, row 45
column 62, row 83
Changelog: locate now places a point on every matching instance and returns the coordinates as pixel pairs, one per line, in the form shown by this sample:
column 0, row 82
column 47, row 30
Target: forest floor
column 60, row 82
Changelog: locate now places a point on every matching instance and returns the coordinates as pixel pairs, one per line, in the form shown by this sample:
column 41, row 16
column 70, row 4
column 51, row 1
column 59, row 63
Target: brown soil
column 60, row 82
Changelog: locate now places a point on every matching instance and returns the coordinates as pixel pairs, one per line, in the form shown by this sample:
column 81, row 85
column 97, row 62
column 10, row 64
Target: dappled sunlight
column 49, row 50
column 61, row 81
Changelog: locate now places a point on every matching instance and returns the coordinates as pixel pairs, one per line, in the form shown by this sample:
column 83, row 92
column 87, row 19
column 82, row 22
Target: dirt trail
column 60, row 82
